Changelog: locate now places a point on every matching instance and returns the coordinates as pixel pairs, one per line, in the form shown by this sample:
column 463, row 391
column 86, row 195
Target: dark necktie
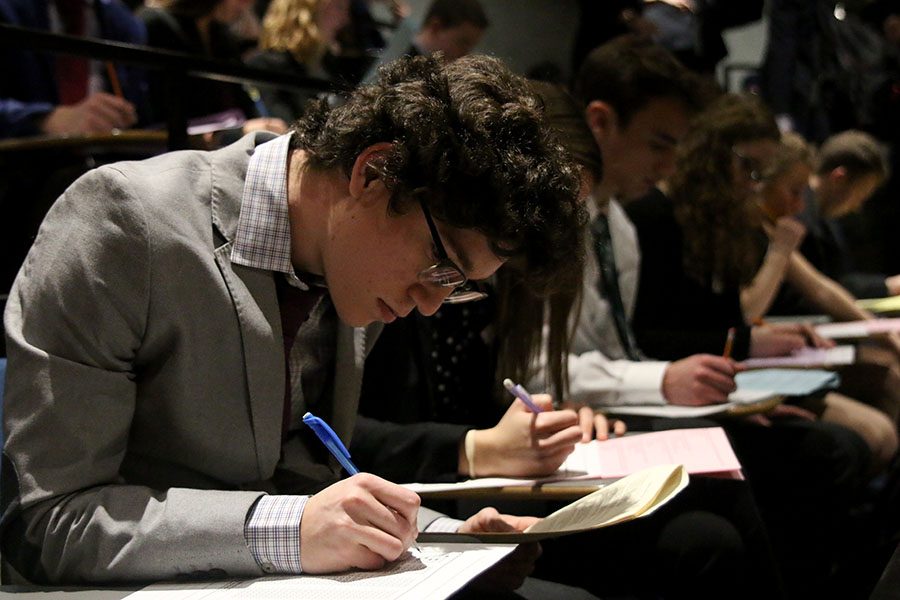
column 609, row 285
column 295, row 305
column 72, row 71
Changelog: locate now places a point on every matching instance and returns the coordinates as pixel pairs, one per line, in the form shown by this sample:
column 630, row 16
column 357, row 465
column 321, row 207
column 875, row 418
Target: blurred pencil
column 729, row 343
column 114, row 79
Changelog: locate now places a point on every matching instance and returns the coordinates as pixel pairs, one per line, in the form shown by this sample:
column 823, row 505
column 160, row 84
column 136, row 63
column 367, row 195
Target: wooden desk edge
column 517, row 492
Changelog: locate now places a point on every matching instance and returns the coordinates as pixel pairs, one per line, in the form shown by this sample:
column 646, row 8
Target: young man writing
column 638, row 101
column 168, row 305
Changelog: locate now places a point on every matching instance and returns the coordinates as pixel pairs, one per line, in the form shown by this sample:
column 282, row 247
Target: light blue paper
column 789, row 382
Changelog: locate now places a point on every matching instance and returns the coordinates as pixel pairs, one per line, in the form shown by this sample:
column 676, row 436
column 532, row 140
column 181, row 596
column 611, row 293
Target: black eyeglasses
column 445, row 273
column 755, row 171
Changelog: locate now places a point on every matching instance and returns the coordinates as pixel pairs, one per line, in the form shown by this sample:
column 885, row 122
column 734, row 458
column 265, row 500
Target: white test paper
column 806, row 358
column 674, row 411
column 434, row 572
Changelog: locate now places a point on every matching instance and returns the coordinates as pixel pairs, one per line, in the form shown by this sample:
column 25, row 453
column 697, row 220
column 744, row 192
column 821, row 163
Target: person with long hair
column 699, row 243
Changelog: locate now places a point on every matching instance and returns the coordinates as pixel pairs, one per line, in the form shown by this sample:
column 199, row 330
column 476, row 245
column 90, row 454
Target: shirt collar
column 262, row 239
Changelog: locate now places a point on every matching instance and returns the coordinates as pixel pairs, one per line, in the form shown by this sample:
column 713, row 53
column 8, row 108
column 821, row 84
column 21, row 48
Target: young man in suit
column 176, row 317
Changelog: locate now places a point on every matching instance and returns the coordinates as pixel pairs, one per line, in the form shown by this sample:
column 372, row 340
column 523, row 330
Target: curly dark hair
column 471, row 137
column 720, row 232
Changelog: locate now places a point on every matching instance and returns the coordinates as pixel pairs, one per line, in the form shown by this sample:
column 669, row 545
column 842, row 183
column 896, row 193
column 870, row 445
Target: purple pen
column 522, row 394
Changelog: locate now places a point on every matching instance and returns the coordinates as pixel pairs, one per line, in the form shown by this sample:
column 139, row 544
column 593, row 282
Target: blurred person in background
column 202, row 28
column 299, row 37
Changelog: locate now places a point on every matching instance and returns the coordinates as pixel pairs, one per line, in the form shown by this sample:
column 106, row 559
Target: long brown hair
column 522, row 314
column 720, row 238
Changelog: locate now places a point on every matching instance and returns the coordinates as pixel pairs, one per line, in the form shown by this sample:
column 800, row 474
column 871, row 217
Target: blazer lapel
column 256, row 307
column 255, row 303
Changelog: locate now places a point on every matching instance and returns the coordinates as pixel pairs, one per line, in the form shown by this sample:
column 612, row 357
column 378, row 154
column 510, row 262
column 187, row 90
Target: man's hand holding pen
column 699, row 380
column 98, row 113
column 361, row 522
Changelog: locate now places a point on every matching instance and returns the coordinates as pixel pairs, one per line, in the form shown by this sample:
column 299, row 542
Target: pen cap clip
column 324, row 431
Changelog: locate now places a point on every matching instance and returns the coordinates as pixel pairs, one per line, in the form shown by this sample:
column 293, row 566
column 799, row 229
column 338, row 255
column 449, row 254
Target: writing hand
column 361, row 522
column 98, row 113
column 525, row 444
column 699, row 380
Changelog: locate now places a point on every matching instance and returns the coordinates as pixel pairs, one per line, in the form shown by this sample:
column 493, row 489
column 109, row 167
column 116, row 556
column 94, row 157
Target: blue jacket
column 28, row 86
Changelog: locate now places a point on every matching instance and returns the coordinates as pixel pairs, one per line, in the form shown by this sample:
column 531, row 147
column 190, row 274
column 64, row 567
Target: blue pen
column 522, row 394
column 331, row 441
column 334, row 444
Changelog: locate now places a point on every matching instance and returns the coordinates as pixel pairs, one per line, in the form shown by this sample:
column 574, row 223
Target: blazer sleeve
column 75, row 320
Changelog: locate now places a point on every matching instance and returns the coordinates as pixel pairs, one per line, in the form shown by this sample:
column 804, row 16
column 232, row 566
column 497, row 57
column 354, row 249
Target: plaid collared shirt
column 263, row 241
column 263, row 236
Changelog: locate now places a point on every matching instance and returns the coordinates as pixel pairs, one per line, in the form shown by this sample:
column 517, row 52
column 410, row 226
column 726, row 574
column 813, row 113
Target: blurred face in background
column 783, row 195
column 839, row 193
column 456, row 41
column 331, row 17
column 640, row 153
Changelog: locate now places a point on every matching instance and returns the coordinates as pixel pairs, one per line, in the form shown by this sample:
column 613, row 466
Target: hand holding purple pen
column 522, row 394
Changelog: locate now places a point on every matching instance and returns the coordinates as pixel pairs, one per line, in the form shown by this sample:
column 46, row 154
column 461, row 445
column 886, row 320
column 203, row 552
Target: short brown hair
column 629, row 72
column 858, row 152
column 793, row 149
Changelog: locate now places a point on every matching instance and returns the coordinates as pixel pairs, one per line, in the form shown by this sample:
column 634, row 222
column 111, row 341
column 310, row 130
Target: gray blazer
column 146, row 378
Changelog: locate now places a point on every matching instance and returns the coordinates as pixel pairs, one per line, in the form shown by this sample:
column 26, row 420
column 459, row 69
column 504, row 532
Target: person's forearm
column 757, row 298
column 600, row 382
column 823, row 292
column 464, row 462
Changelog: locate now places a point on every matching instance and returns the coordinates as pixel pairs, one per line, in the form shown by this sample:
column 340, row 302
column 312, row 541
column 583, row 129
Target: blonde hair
column 793, row 149
column 290, row 26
